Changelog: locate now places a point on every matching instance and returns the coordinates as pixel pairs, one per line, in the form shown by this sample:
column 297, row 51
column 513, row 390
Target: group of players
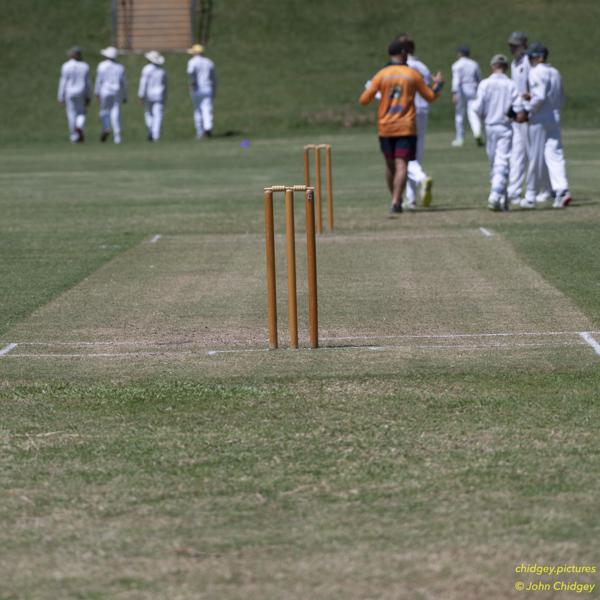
column 75, row 92
column 521, row 115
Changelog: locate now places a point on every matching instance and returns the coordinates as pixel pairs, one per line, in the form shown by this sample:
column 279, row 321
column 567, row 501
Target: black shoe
column 395, row 209
column 80, row 136
column 104, row 135
column 479, row 141
column 150, row 138
column 208, row 133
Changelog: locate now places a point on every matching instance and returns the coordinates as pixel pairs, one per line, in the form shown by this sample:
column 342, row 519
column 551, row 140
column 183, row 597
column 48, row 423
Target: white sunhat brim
column 155, row 58
column 109, row 52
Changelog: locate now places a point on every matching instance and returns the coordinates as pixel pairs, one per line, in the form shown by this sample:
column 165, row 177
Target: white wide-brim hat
column 110, row 52
column 156, row 58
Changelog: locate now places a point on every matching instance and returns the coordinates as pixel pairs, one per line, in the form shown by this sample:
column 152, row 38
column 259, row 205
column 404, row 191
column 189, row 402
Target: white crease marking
column 7, row 349
column 589, row 339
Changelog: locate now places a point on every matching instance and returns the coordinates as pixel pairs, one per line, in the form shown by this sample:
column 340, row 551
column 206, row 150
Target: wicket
column 317, row 148
column 311, row 260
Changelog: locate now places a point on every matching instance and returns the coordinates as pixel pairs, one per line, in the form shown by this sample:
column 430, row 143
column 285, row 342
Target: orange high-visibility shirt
column 398, row 85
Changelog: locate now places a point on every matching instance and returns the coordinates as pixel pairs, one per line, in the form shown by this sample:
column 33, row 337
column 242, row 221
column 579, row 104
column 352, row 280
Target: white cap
column 156, row 58
column 110, row 52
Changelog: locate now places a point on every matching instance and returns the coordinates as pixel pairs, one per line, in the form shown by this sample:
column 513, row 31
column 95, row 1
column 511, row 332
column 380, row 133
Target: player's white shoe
column 410, row 204
column 516, row 200
column 563, row 199
column 543, row 197
column 457, row 143
column 528, row 203
column 495, row 202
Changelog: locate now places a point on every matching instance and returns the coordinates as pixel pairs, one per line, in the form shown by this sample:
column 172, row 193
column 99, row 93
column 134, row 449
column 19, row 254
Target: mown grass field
column 414, row 456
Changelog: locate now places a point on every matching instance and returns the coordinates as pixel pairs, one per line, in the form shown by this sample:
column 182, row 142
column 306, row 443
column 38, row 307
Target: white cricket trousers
column 545, row 150
column 203, row 113
column 466, row 103
column 75, row 108
column 153, row 116
column 498, row 141
column 110, row 115
column 518, row 159
column 416, row 173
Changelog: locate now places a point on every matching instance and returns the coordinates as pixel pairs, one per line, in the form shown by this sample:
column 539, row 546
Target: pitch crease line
column 7, row 349
column 589, row 339
column 105, row 355
column 188, row 342
column 370, row 348
column 408, row 347
column 452, row 336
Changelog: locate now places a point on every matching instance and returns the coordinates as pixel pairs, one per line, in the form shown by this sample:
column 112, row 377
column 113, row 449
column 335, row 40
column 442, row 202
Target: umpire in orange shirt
column 396, row 118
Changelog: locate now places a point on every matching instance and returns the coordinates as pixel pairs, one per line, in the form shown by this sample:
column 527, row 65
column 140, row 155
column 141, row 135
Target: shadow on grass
column 228, row 134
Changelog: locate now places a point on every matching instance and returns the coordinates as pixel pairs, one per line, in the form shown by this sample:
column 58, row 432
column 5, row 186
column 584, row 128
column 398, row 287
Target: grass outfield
column 446, row 432
column 286, row 66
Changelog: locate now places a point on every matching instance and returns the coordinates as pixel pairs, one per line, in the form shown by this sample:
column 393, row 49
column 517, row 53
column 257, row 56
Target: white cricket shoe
column 458, row 143
column 495, row 202
column 563, row 199
column 543, row 197
column 516, row 200
column 528, row 203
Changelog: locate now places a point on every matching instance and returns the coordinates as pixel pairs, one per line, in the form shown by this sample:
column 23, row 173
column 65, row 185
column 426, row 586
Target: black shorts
column 399, row 147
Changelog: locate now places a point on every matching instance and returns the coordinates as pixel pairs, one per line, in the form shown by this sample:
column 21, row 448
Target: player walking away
column 544, row 101
column 417, row 178
column 497, row 99
column 465, row 79
column 398, row 84
column 74, row 92
column 519, row 71
column 152, row 93
column 202, row 78
column 111, row 90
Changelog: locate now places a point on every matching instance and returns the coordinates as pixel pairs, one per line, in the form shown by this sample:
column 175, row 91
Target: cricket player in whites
column 111, row 90
column 546, row 156
column 396, row 116
column 519, row 71
column 465, row 79
column 417, row 178
column 74, row 92
column 152, row 93
column 203, row 87
column 497, row 100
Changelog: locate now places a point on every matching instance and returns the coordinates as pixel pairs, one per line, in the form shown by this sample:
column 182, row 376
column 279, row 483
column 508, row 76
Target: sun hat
column 156, row 58
column 196, row 49
column 498, row 59
column 110, row 52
